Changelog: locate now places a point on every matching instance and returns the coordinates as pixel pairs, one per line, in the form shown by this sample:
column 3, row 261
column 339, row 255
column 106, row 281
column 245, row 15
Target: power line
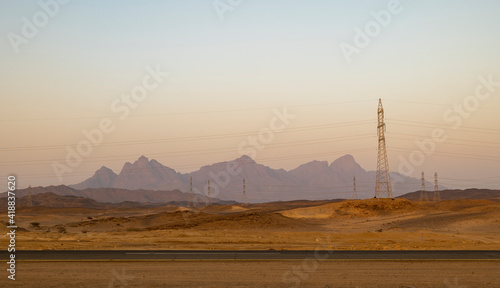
column 472, row 180
column 269, row 146
column 448, row 138
column 113, row 116
column 453, row 155
column 202, row 151
column 433, row 125
column 434, row 104
column 449, row 143
column 271, row 159
column 196, row 138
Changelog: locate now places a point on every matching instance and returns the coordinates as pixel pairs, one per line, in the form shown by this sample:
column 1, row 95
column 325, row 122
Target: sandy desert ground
column 373, row 224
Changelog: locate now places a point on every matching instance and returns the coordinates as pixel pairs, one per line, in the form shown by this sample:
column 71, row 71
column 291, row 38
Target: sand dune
column 349, row 224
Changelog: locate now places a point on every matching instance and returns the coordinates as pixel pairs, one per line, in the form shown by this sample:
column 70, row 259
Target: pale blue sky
column 264, row 54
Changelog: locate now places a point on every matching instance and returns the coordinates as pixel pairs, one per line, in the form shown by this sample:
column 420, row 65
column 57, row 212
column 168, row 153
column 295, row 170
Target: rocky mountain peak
column 346, row 163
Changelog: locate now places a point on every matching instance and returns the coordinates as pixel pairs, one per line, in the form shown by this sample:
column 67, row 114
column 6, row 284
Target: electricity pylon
column 190, row 198
column 423, row 193
column 354, row 192
column 209, row 199
column 244, row 199
column 437, row 197
column 383, row 186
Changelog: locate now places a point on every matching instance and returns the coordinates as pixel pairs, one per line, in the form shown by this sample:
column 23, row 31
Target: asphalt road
column 110, row 255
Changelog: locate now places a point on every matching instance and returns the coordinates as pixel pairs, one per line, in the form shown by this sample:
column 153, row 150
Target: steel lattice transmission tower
column 209, row 198
column 383, row 187
column 244, row 199
column 423, row 193
column 437, row 197
column 190, row 198
column 354, row 192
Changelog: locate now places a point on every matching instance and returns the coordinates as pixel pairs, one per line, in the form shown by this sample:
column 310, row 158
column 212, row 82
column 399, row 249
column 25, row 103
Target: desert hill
column 57, row 201
column 354, row 208
column 188, row 220
column 116, row 195
column 50, row 199
column 474, row 193
column 348, row 224
column 102, row 198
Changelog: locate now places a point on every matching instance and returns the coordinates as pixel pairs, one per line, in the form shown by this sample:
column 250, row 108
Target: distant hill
column 316, row 180
column 455, row 194
column 117, row 195
column 50, row 199
column 57, row 201
column 104, row 177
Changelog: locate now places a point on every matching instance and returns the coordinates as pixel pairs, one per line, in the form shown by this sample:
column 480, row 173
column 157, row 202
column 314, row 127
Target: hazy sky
column 229, row 68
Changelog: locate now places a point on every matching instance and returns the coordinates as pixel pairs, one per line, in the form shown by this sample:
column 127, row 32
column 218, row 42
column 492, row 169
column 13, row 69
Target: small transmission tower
column 209, row 198
column 383, row 186
column 30, row 204
column 244, row 199
column 190, row 198
column 423, row 193
column 437, row 197
column 354, row 192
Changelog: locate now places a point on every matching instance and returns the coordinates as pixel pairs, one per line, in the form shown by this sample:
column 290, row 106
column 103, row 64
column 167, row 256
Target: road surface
column 104, row 255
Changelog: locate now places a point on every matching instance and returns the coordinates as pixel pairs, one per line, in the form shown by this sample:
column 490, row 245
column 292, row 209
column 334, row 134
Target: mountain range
column 315, row 180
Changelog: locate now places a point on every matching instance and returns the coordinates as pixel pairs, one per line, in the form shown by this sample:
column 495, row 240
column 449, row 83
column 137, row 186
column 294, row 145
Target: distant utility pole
column 383, row 186
column 190, row 198
column 354, row 192
column 244, row 200
column 209, row 199
column 30, row 204
column 423, row 193
column 437, row 197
